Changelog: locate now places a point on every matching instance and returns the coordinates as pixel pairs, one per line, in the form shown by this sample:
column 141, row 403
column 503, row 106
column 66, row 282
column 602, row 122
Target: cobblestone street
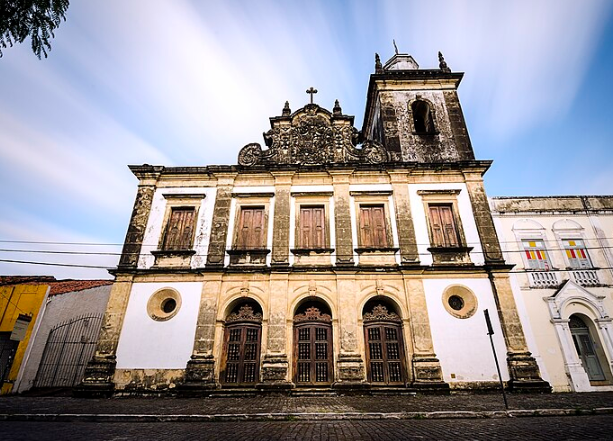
column 552, row 428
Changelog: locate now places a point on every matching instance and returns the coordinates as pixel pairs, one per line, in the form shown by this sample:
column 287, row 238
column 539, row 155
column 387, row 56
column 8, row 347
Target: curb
column 145, row 418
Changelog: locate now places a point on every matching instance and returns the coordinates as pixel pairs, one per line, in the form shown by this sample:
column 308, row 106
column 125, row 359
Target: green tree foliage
column 35, row 18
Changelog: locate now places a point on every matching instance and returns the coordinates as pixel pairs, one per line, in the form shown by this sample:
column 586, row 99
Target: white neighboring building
column 561, row 247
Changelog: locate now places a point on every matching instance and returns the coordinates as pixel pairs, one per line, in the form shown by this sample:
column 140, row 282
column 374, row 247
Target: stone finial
column 442, row 64
column 378, row 65
column 337, row 108
column 286, row 110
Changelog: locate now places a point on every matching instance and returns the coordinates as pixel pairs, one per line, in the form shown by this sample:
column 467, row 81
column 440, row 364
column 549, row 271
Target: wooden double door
column 385, row 358
column 313, row 356
column 242, row 354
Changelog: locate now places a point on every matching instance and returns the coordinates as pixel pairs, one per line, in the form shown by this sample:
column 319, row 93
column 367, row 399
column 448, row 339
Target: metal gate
column 69, row 347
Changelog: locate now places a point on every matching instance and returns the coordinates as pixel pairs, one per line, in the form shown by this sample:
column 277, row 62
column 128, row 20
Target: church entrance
column 584, row 344
column 242, row 337
column 385, row 358
column 313, row 356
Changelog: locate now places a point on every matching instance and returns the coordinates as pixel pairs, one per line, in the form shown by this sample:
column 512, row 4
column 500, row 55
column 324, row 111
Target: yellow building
column 21, row 298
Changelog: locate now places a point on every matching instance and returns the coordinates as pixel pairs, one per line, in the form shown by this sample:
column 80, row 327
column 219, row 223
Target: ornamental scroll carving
column 380, row 313
column 245, row 314
column 312, row 136
column 312, row 314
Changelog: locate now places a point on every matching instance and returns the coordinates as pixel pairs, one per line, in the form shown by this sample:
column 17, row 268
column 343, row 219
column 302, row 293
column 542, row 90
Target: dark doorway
column 385, row 358
column 242, row 339
column 584, row 344
column 313, row 356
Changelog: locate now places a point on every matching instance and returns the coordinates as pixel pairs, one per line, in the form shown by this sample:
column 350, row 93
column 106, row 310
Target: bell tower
column 415, row 113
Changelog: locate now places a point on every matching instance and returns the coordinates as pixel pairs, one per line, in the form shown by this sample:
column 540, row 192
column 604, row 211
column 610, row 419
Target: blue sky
column 191, row 82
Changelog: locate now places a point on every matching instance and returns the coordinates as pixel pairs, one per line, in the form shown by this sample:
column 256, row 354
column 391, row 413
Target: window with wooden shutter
column 312, row 227
column 373, row 229
column 576, row 253
column 251, row 228
column 442, row 225
column 180, row 229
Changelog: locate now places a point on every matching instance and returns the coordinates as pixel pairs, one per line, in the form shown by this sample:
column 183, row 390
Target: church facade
column 332, row 258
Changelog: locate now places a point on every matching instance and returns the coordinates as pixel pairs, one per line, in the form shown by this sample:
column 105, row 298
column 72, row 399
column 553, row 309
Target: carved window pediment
column 380, row 313
column 312, row 314
column 244, row 314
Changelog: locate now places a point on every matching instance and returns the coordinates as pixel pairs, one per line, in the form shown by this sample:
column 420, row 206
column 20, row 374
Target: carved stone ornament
column 312, row 314
column 312, row 136
column 245, row 314
column 380, row 313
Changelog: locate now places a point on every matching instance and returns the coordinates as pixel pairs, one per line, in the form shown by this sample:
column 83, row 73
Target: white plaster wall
column 145, row 343
column 466, row 215
column 155, row 223
column 60, row 308
column 462, row 345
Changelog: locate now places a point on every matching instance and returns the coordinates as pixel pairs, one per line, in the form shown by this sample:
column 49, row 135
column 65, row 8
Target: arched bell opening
column 422, row 117
column 385, row 352
column 240, row 366
column 589, row 349
column 313, row 351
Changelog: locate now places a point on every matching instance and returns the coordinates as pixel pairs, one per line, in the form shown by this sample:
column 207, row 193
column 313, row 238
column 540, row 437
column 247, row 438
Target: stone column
column 483, row 219
column 281, row 222
column 605, row 325
column 427, row 372
column 200, row 370
column 275, row 365
column 221, row 220
column 404, row 219
column 579, row 381
column 342, row 217
column 98, row 378
column 350, row 364
column 523, row 369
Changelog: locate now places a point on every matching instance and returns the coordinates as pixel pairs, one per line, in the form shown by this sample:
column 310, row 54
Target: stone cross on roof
column 311, row 91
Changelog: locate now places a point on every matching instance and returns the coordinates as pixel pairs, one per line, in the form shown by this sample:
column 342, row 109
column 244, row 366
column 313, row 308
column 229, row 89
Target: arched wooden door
column 584, row 345
column 313, row 356
column 241, row 355
column 385, row 358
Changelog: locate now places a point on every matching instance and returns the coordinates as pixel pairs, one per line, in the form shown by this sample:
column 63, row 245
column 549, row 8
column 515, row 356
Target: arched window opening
column 313, row 355
column 422, row 117
column 242, row 340
column 385, row 359
column 584, row 344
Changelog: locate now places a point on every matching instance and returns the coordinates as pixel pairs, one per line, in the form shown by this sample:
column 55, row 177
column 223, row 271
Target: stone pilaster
column 138, row 221
column 426, row 368
column 350, row 364
column 98, row 378
column 342, row 217
column 221, row 220
column 200, row 370
column 275, row 365
column 483, row 219
column 523, row 369
column 281, row 222
column 404, row 219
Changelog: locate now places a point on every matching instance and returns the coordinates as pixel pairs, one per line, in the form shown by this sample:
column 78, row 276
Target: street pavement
column 598, row 427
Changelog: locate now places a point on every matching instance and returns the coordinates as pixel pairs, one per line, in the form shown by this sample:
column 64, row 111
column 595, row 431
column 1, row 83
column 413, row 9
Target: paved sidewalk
column 457, row 405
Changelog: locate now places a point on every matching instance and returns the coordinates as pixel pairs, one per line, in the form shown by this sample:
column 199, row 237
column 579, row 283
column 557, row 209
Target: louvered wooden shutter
column 449, row 230
column 251, row 228
column 180, row 229
column 365, row 227
column 436, row 225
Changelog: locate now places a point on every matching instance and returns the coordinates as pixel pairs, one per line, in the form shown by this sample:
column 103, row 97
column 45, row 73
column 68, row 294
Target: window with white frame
column 536, row 254
column 576, row 253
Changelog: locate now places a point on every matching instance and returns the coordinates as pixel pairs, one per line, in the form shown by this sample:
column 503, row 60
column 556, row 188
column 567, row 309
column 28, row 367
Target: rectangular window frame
column 577, row 256
column 535, row 256
column 371, row 199
column 241, row 210
column 311, row 242
column 187, row 243
column 443, row 198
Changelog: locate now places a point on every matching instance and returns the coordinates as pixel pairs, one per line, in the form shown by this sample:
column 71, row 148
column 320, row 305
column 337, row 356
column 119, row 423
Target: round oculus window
column 460, row 301
column 164, row 304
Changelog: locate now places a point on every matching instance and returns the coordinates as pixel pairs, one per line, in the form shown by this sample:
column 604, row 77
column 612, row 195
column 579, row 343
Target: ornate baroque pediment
column 312, row 136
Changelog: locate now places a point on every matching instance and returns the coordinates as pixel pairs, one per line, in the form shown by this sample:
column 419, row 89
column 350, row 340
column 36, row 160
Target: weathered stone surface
column 221, row 219
column 137, row 227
